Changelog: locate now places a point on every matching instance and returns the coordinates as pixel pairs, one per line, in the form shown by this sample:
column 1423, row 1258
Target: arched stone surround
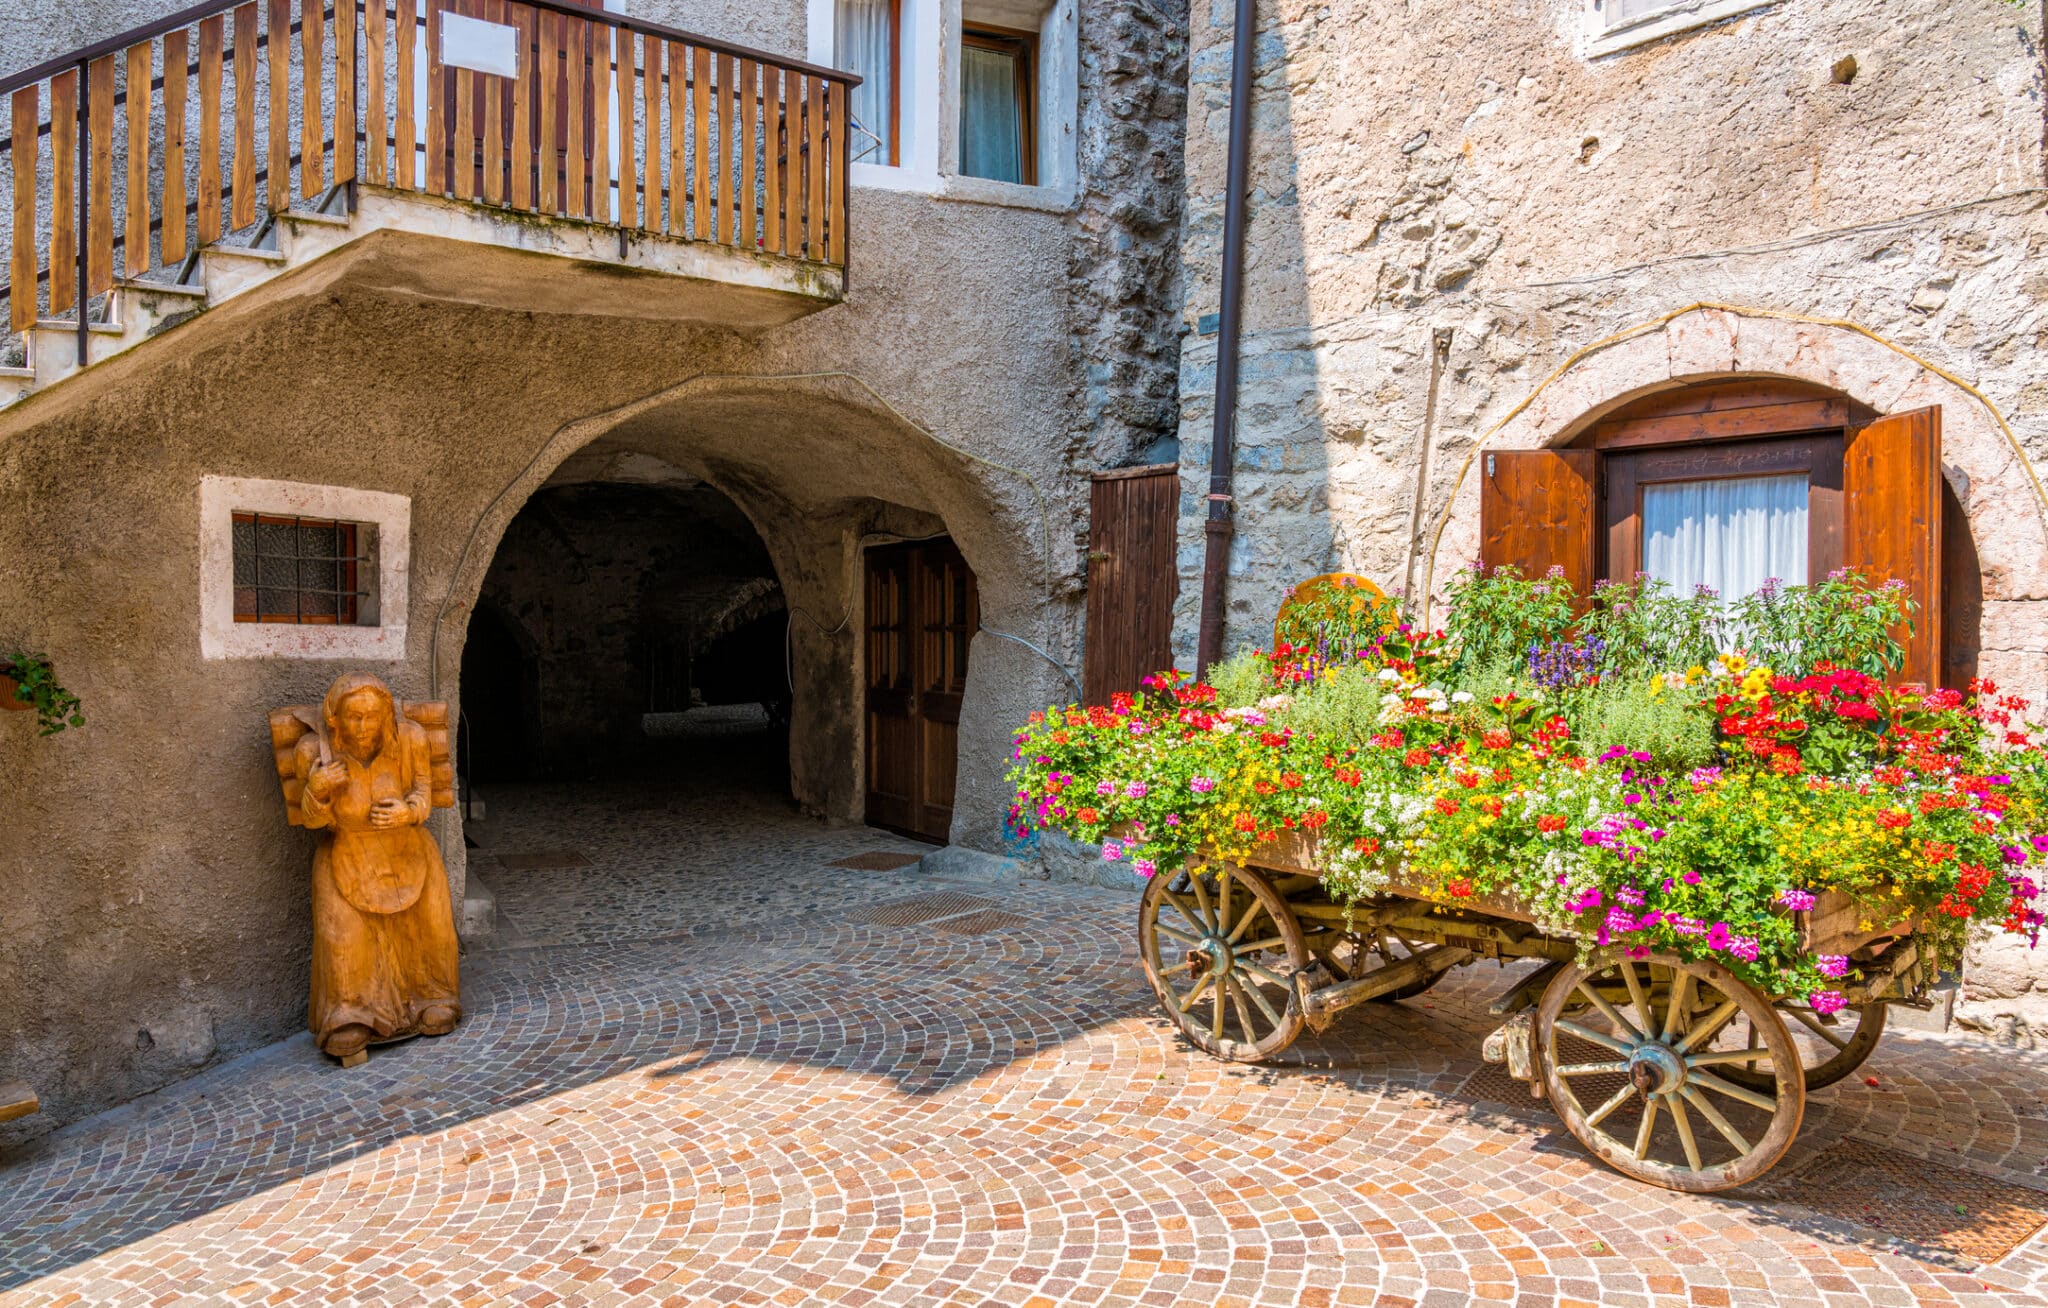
column 1998, row 489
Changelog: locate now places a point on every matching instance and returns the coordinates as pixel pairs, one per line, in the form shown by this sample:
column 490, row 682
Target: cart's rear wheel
column 1831, row 1045
column 1637, row 1078
column 1221, row 948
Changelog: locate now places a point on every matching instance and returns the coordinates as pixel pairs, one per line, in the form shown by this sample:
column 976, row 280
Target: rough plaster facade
column 157, row 914
column 1450, row 217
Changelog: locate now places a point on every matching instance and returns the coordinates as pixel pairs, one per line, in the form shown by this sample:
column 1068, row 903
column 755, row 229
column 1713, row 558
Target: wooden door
column 922, row 612
column 1132, row 580
column 1892, row 482
column 1536, row 511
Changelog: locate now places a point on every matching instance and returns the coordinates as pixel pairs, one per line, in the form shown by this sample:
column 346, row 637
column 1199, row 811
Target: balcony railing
column 132, row 154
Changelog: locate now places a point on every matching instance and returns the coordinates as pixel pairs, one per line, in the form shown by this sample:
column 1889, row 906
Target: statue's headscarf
column 343, row 687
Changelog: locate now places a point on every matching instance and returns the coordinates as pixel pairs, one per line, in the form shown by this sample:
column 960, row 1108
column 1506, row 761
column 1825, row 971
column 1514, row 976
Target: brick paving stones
column 703, row 1069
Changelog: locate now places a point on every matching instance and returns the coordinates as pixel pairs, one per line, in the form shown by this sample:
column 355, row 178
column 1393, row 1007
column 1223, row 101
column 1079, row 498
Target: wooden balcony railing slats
column 608, row 120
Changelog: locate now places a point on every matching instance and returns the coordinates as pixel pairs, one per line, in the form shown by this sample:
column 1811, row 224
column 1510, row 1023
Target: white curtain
column 1732, row 534
column 866, row 43
column 991, row 138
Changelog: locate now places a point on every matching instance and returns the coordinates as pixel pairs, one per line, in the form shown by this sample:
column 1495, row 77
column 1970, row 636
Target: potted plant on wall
column 28, row 682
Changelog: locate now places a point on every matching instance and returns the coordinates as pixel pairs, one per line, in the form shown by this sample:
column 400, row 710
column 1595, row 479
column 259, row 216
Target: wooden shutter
column 1891, row 488
column 1132, row 581
column 1537, row 510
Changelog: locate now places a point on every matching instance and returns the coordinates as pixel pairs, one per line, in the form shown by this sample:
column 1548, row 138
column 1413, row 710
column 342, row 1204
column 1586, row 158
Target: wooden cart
column 1676, row 1073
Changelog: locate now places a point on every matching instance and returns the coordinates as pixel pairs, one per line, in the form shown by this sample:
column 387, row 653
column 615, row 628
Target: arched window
column 1729, row 483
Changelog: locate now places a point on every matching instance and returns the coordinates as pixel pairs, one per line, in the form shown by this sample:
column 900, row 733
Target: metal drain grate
column 974, row 924
column 542, row 859
column 879, row 860
column 924, row 908
column 1491, row 1084
column 1915, row 1199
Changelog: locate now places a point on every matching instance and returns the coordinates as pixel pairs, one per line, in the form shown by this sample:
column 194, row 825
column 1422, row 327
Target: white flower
column 1388, row 674
column 1462, row 697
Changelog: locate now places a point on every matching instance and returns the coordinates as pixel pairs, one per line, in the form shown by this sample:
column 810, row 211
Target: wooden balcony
column 154, row 159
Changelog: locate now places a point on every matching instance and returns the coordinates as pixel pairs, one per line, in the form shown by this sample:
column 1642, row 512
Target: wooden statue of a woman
column 384, row 950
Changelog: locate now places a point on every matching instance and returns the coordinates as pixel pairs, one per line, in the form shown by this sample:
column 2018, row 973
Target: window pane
column 991, row 137
column 865, row 36
column 1617, row 12
column 1730, row 534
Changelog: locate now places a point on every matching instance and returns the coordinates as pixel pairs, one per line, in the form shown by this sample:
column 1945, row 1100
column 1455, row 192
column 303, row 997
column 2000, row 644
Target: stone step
column 226, row 270
column 15, row 383
column 304, row 237
column 53, row 346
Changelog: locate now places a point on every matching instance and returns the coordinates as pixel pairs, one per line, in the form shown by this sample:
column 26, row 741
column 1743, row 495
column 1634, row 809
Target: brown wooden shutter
column 1537, row 510
column 1891, row 489
column 1133, row 517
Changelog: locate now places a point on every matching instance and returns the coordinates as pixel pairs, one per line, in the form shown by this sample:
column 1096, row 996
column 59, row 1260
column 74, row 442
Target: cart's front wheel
column 1221, row 948
column 1629, row 1057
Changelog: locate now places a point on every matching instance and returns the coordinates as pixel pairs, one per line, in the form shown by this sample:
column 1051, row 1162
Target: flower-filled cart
column 1714, row 874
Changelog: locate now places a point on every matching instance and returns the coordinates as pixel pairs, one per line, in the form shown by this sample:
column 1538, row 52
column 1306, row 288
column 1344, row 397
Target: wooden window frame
column 347, row 603
column 1022, row 46
column 1626, row 473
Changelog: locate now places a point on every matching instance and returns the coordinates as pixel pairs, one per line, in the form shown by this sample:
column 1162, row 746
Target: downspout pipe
column 1219, row 527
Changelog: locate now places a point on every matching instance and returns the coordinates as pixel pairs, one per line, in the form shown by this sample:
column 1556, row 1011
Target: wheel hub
column 1211, row 954
column 1655, row 1069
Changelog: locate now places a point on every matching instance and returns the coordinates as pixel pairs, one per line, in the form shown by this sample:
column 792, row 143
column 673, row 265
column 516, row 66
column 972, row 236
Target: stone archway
column 1996, row 487
column 820, row 464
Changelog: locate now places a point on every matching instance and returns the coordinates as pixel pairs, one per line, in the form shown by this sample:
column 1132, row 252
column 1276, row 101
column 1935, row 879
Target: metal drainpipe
column 1218, row 529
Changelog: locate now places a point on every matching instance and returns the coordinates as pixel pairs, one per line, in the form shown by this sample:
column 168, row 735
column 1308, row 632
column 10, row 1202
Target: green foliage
column 1622, row 714
column 1496, row 616
column 35, row 684
column 1844, row 621
column 1241, row 679
column 1647, row 628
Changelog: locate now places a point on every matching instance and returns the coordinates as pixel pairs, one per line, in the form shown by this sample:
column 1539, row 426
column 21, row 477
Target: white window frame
column 1678, row 16
column 930, row 105
column 379, row 635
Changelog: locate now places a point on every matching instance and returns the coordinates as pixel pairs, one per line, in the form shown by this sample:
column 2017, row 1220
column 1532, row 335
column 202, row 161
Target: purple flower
column 2040, row 844
column 1135, row 790
column 1704, row 776
column 1692, row 876
column 2012, row 853
column 1827, row 1001
column 1173, row 819
column 1718, row 936
column 1144, row 867
column 1629, row 895
column 1744, row 948
column 1832, row 965
column 1799, row 901
column 1201, row 785
column 1105, row 788
column 1111, row 851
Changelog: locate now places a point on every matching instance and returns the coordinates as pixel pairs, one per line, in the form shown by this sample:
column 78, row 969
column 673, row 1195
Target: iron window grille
column 294, row 569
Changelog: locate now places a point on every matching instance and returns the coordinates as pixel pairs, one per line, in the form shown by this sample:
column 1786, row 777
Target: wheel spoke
column 1600, row 1114
column 1188, row 1001
column 1251, row 911
column 1273, row 942
column 1182, row 905
column 1681, row 987
column 1806, row 1020
column 1223, row 880
column 1208, row 923
column 1636, row 997
column 1644, row 1131
column 1593, row 1069
column 1709, row 1027
column 1598, row 1038
column 1244, row 1013
column 1721, row 1124
column 1744, row 1056
column 1270, row 977
column 1609, row 1011
column 1178, row 934
column 1708, row 1081
column 1216, row 1010
column 1684, row 1125
column 1181, row 966
column 1266, row 1007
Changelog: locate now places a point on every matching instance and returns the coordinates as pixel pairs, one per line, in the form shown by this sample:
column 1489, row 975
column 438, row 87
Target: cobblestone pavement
column 701, row 1069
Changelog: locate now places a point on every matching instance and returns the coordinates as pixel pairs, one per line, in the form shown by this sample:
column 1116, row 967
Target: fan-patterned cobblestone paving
column 697, row 1071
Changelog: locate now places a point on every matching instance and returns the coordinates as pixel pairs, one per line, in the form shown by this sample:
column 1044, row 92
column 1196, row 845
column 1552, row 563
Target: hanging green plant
column 27, row 681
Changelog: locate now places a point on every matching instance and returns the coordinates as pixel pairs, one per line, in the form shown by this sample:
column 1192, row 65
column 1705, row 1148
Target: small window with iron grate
column 302, row 570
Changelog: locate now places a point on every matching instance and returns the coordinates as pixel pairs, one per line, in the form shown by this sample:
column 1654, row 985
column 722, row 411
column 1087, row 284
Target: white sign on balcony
column 474, row 43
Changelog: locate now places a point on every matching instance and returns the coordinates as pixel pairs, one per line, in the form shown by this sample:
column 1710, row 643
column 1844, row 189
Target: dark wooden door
column 922, row 612
column 1133, row 517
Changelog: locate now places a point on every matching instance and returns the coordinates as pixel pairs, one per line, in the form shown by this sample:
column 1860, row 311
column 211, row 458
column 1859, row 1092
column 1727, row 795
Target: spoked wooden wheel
column 1831, row 1045
column 1221, row 948
column 1629, row 1057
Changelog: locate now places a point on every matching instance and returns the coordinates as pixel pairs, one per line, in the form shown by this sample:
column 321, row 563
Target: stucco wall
column 1445, row 212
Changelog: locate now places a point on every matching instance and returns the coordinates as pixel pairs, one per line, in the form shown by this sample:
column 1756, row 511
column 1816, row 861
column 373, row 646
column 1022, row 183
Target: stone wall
column 1446, row 212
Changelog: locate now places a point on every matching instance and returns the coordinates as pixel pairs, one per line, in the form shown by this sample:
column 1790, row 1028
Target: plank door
column 1536, row 511
column 922, row 612
column 1133, row 517
column 1892, row 527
